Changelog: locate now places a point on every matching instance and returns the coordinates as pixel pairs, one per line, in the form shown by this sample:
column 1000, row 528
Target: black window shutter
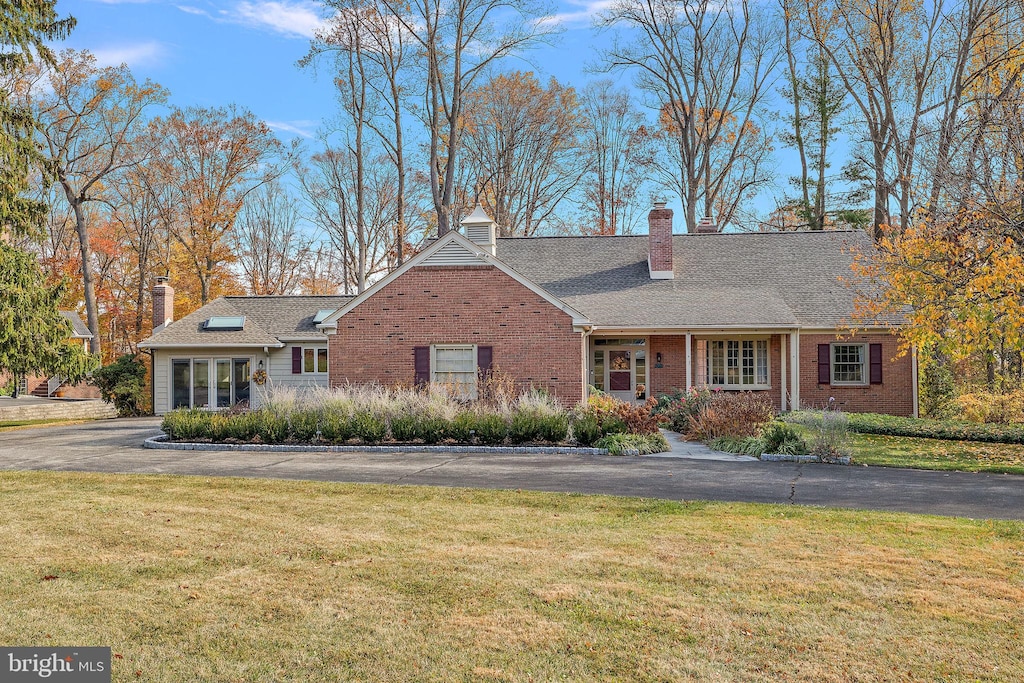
column 484, row 360
column 824, row 364
column 876, row 363
column 296, row 360
column 421, row 357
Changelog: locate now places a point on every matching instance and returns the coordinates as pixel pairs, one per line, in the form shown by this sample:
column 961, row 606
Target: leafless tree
column 269, row 241
column 708, row 68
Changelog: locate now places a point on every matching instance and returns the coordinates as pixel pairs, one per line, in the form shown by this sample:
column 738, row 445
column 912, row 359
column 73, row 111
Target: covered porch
column 633, row 365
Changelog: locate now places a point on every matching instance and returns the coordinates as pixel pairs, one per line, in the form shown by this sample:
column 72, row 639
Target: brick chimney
column 707, row 225
column 659, row 230
column 163, row 304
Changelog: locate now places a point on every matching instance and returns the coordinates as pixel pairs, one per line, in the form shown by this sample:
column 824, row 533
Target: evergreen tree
column 25, row 26
column 34, row 336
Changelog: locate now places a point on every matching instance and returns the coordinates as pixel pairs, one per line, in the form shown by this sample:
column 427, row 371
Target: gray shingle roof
column 79, row 329
column 269, row 320
column 721, row 280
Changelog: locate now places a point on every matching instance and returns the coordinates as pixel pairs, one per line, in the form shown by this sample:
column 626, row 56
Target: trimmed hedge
column 948, row 430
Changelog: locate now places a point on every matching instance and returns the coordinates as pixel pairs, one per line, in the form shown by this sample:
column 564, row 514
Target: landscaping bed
column 366, row 417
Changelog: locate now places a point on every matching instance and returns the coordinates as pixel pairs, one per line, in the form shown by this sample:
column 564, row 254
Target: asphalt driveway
column 115, row 446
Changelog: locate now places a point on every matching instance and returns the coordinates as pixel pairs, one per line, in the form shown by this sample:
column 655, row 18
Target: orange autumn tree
column 959, row 282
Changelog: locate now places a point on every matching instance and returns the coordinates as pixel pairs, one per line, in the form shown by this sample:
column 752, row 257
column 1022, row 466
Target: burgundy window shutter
column 876, row 363
column 484, row 359
column 296, row 360
column 824, row 364
column 421, row 358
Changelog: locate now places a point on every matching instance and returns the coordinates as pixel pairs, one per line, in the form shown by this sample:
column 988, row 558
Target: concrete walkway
column 115, row 446
column 695, row 450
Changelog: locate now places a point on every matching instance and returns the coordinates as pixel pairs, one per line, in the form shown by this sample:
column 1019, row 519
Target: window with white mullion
column 737, row 363
column 848, row 364
column 456, row 366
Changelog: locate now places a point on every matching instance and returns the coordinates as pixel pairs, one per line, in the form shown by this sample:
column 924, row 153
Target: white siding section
column 161, row 382
column 454, row 254
column 279, row 372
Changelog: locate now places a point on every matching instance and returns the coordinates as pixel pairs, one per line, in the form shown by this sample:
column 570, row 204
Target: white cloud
column 132, row 54
column 297, row 19
column 582, row 16
column 302, row 128
column 188, row 9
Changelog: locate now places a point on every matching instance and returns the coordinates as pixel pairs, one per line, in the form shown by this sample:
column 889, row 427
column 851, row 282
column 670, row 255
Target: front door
column 621, row 372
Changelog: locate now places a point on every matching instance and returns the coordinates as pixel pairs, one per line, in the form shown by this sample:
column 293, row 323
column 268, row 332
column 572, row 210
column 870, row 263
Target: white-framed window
column 737, row 363
column 849, row 364
column 455, row 365
column 314, row 361
column 210, row 382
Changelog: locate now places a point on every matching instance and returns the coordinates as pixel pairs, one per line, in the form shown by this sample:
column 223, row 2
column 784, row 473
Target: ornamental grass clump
column 731, row 414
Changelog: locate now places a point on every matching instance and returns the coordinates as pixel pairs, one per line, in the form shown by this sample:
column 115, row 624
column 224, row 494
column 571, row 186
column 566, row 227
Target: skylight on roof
column 224, row 323
column 322, row 315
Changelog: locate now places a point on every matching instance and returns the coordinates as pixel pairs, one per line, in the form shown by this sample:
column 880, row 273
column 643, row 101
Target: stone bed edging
column 160, row 442
column 782, row 457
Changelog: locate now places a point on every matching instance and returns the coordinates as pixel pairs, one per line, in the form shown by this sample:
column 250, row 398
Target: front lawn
column 197, row 579
column 936, row 454
column 931, row 454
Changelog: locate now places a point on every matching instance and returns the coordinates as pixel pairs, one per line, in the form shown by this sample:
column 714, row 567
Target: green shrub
column 187, row 424
column 644, row 444
column 123, row 383
column 891, row 425
column 368, row 427
column 336, row 427
column 779, row 437
column 740, row 414
column 585, row 429
column 405, row 428
column 269, row 426
column 554, row 428
column 304, row 425
column 492, row 429
column 433, row 429
column 463, row 428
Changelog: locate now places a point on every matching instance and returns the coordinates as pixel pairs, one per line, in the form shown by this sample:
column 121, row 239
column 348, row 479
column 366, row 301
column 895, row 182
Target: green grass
column 193, row 579
column 936, row 454
column 7, row 425
column 932, row 454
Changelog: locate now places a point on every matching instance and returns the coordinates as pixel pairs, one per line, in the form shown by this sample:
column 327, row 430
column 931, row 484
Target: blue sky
column 244, row 52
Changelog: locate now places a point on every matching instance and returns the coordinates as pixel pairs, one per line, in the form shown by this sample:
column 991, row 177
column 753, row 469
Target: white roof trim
column 231, row 345
column 577, row 318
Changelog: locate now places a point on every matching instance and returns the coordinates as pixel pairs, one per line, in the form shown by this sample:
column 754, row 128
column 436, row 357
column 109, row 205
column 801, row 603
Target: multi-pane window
column 455, row 365
column 209, row 383
column 848, row 364
column 740, row 363
column 314, row 361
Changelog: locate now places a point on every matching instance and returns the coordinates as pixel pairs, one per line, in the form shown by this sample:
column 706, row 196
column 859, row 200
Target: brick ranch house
column 635, row 316
column 46, row 386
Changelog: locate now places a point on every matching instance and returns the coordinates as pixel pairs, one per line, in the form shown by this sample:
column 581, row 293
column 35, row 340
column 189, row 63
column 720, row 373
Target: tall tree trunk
column 92, row 312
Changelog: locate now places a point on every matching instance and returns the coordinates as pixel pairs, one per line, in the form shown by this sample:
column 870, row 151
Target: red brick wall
column 532, row 339
column 895, row 395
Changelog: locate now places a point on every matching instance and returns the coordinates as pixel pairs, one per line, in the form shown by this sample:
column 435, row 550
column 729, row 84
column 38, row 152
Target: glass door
column 620, row 374
column 619, row 367
column 223, row 384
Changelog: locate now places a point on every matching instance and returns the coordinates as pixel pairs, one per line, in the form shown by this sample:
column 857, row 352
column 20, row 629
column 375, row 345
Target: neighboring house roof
column 79, row 329
column 269, row 321
column 784, row 279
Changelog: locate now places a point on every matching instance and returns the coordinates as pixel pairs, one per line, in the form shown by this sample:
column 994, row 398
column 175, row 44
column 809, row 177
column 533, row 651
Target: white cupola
column 479, row 228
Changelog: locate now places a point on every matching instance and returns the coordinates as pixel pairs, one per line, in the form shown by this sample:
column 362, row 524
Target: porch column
column 782, row 371
column 689, row 361
column 913, row 373
column 794, row 363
